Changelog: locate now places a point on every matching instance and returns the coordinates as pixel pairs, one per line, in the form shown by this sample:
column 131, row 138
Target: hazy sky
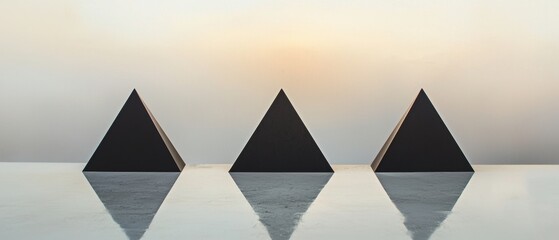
column 208, row 70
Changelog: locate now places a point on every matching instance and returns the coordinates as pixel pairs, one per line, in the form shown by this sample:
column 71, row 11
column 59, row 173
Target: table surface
column 58, row 201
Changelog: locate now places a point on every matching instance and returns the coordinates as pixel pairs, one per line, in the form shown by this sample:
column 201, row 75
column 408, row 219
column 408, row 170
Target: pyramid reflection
column 425, row 199
column 280, row 199
column 132, row 198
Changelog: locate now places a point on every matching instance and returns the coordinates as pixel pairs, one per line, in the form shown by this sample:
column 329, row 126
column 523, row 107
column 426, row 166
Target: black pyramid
column 421, row 142
column 281, row 143
column 135, row 143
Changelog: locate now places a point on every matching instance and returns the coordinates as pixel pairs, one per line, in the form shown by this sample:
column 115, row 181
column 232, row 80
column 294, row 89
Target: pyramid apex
column 422, row 94
column 134, row 93
column 282, row 95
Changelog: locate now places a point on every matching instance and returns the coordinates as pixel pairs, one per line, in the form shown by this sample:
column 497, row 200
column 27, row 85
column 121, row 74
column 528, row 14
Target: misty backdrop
column 208, row 71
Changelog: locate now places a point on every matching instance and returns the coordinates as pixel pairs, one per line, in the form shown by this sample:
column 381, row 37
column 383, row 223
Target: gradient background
column 208, row 70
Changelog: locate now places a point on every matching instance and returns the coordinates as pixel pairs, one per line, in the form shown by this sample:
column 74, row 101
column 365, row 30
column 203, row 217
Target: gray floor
column 56, row 201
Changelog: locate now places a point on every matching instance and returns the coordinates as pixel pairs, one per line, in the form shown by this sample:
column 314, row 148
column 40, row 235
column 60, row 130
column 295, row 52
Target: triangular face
column 425, row 199
column 281, row 143
column 135, row 143
column 421, row 143
column 281, row 199
column 132, row 198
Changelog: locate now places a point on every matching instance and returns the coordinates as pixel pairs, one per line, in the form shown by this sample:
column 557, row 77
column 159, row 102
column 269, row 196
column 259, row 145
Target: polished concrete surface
column 57, row 201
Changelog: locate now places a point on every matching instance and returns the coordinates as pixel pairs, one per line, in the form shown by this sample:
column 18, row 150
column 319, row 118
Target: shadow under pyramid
column 421, row 142
column 281, row 143
column 280, row 199
column 135, row 143
column 425, row 199
column 132, row 198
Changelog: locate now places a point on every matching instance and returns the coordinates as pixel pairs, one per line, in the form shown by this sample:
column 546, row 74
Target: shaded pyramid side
column 281, row 199
column 132, row 198
column 135, row 143
column 421, row 142
column 281, row 143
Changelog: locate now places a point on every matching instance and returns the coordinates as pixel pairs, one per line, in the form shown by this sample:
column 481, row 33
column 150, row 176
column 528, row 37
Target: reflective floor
column 58, row 201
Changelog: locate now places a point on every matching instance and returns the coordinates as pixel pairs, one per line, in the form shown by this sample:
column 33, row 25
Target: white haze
column 208, row 70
